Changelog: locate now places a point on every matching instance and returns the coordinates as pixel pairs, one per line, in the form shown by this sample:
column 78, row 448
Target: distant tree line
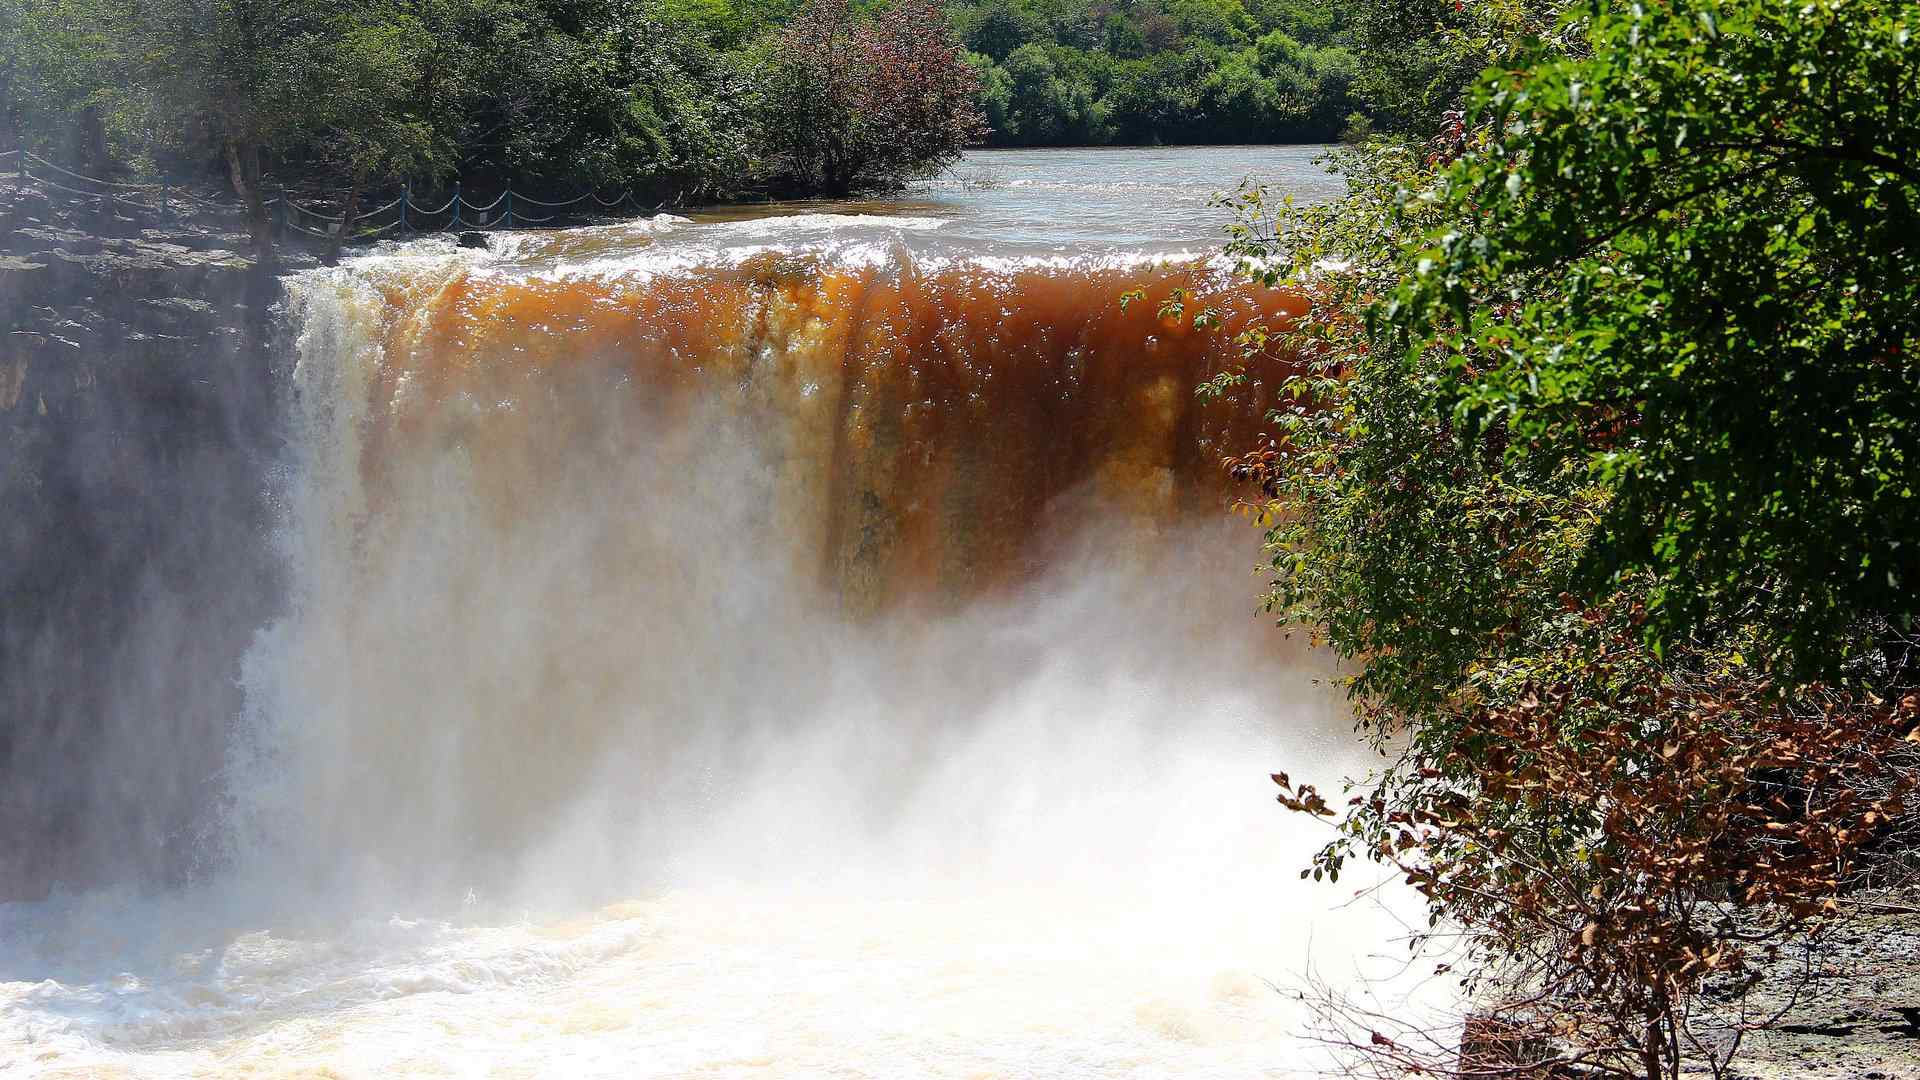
column 1164, row 71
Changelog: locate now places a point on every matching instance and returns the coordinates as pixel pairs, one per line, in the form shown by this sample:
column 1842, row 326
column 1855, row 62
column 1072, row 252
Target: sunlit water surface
column 1068, row 201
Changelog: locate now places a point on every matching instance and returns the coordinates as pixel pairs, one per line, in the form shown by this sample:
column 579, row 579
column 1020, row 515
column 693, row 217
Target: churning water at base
column 764, row 648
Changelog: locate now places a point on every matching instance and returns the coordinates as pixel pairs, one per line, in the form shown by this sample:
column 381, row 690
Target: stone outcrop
column 137, row 427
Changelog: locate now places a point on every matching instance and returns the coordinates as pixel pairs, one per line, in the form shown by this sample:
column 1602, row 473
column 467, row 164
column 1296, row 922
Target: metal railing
column 167, row 201
column 459, row 213
column 160, row 197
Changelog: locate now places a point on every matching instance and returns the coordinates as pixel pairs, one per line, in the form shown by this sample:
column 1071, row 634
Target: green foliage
column 1392, row 541
column 1161, row 71
column 1306, row 20
column 677, row 98
column 1050, row 99
column 1687, row 265
column 998, row 30
column 1217, row 22
column 1603, row 447
column 1653, row 330
column 674, row 96
column 1422, row 55
column 1123, row 38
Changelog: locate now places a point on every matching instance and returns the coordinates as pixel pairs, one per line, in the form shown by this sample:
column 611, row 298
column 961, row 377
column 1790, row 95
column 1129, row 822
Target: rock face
column 1847, row 1003
column 137, row 424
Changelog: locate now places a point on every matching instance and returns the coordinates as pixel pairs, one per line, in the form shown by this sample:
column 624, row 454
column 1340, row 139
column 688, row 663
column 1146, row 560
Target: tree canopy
column 681, row 101
column 694, row 99
column 1691, row 264
column 1178, row 71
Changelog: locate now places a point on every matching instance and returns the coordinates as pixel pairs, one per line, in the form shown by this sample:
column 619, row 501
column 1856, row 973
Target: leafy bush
column 1708, row 230
column 1598, row 470
column 862, row 104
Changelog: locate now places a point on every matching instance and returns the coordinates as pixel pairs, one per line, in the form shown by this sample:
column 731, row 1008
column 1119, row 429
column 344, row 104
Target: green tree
column 1241, row 104
column 1688, row 263
column 996, row 95
column 1049, row 100
column 866, row 104
column 1219, row 22
column 1305, row 20
column 247, row 71
column 1599, row 471
column 1123, row 38
column 1005, row 26
column 1421, row 55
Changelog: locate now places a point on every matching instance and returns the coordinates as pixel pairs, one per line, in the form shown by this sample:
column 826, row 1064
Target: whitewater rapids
column 742, row 649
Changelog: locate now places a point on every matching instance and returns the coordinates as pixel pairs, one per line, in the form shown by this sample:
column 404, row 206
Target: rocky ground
column 1849, row 1006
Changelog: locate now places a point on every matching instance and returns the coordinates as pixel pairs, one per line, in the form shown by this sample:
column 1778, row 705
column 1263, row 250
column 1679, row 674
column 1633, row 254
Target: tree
column 855, row 104
column 1123, row 38
column 1153, row 99
column 1688, row 265
column 1598, row 470
column 237, row 80
column 1241, row 104
column 996, row 95
column 59, row 60
column 1422, row 55
column 1220, row 22
column 243, row 69
column 366, row 127
column 1005, row 26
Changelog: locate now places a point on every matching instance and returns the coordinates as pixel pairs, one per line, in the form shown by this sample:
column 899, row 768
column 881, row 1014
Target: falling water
column 791, row 646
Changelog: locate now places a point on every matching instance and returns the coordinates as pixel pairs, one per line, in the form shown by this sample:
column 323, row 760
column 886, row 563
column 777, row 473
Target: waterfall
column 561, row 534
column 772, row 660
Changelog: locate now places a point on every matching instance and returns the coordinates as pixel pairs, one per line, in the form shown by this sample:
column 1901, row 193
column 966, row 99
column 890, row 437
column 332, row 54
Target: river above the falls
column 993, row 207
column 1067, row 201
column 777, row 641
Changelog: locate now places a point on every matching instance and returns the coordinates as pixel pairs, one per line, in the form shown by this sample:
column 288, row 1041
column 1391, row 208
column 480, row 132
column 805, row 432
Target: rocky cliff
column 137, row 428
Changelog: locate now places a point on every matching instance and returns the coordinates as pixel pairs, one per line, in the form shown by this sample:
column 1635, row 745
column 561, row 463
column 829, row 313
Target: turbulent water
column 805, row 641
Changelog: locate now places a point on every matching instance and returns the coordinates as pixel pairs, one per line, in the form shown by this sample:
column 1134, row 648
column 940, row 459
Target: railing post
column 406, row 197
column 506, row 219
column 455, row 223
column 165, row 182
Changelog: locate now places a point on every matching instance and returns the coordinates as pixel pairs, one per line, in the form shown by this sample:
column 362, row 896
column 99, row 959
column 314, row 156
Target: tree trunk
column 8, row 133
column 90, row 143
column 1651, row 1057
column 349, row 217
column 243, row 167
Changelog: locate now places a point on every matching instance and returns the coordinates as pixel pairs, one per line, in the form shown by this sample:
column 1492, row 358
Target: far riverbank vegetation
column 679, row 100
